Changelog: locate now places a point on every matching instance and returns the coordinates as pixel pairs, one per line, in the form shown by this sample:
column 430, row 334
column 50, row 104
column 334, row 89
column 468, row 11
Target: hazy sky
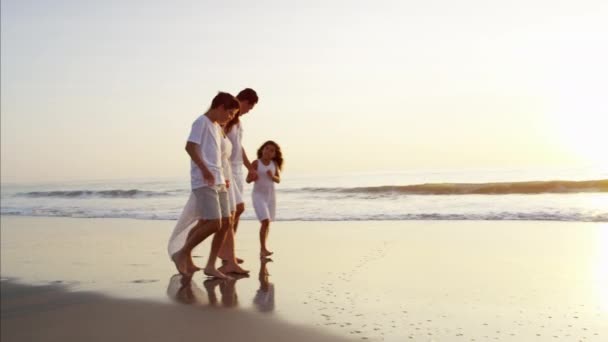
column 109, row 89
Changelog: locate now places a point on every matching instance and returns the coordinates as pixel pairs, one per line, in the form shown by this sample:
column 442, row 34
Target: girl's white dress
column 263, row 196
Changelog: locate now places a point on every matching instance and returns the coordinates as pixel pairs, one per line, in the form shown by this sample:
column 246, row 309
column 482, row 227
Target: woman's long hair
column 235, row 120
column 278, row 156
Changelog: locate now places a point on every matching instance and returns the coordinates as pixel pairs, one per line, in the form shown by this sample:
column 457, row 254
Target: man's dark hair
column 229, row 101
column 248, row 95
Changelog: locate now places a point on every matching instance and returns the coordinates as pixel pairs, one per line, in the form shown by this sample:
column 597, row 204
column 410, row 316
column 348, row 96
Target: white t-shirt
column 236, row 138
column 207, row 136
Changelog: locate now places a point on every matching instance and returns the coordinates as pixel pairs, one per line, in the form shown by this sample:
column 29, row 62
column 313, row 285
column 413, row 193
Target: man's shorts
column 212, row 203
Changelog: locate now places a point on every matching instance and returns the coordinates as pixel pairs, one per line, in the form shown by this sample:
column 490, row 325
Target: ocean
column 539, row 195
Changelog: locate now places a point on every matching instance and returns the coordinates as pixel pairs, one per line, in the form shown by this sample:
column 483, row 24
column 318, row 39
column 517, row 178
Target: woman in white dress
column 229, row 260
column 268, row 167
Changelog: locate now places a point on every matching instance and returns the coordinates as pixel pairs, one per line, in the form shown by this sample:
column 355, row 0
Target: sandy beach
column 110, row 279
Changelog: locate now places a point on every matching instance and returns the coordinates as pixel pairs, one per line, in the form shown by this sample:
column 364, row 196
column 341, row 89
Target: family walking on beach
column 217, row 181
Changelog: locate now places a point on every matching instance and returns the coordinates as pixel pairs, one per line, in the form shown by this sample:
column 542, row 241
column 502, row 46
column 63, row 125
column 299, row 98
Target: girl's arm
column 250, row 176
column 277, row 176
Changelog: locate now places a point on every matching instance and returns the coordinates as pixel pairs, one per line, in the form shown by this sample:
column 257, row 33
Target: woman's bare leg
column 227, row 250
column 240, row 208
column 228, row 256
column 216, row 244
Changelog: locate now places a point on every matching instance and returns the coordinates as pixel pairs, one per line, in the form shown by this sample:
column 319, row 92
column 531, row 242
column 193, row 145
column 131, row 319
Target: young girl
column 268, row 165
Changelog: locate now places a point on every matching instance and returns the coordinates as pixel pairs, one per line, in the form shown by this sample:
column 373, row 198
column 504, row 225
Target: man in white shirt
column 248, row 98
column 208, row 185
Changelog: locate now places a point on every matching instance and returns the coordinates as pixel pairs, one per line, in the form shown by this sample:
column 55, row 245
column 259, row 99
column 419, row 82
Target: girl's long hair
column 278, row 156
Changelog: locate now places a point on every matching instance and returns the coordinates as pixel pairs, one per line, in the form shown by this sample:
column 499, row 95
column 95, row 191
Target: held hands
column 252, row 176
column 227, row 183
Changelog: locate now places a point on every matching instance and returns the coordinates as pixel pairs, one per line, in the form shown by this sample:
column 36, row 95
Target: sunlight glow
column 581, row 123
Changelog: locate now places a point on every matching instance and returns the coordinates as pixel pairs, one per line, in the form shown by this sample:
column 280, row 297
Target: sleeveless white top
column 226, row 153
column 263, row 196
column 236, row 138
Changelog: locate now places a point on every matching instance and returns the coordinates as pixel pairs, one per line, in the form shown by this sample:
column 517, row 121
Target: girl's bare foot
column 212, row 272
column 265, row 253
column 232, row 268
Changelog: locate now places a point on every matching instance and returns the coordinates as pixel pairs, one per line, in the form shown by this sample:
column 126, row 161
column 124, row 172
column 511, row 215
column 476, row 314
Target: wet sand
column 50, row 313
column 376, row 281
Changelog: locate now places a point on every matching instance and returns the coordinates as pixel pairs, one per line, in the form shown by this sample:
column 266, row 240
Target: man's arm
column 251, row 177
column 192, row 150
column 251, row 168
column 246, row 160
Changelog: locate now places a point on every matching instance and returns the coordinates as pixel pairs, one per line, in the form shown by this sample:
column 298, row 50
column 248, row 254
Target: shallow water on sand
column 377, row 281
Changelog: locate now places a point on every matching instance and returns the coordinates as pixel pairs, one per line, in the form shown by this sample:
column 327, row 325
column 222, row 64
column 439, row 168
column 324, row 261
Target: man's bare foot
column 181, row 263
column 193, row 268
column 212, row 272
column 185, row 280
column 232, row 268
column 238, row 260
column 265, row 253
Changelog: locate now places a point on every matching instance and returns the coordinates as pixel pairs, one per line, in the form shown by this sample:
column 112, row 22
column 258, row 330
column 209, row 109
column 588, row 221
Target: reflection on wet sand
column 183, row 290
column 264, row 297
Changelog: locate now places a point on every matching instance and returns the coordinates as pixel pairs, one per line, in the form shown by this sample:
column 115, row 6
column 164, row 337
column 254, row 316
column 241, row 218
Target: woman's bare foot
column 265, row 253
column 181, row 263
column 232, row 268
column 212, row 272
